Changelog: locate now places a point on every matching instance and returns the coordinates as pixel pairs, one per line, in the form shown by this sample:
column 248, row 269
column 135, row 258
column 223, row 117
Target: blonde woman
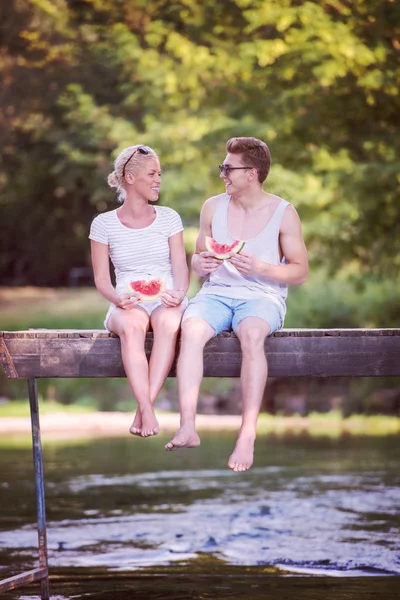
column 143, row 241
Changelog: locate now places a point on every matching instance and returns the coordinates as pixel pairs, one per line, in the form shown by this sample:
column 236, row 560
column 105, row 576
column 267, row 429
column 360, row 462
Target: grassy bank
column 331, row 423
column 323, row 302
column 52, row 308
column 20, row 409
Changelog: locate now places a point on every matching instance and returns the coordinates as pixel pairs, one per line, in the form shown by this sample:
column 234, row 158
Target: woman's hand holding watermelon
column 128, row 301
column 171, row 298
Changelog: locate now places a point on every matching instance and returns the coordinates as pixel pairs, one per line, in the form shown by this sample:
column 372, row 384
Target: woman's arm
column 101, row 271
column 180, row 270
column 102, row 279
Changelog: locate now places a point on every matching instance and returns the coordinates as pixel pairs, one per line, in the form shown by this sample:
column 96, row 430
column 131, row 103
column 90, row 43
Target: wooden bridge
column 78, row 353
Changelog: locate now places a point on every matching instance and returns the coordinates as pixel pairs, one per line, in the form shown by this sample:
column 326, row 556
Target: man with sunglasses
column 246, row 293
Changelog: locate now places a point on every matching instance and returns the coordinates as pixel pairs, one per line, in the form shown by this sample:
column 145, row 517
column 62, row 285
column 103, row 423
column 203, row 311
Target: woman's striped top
column 137, row 253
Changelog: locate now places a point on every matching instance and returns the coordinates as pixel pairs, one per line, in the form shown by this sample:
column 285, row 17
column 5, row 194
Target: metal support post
column 39, row 485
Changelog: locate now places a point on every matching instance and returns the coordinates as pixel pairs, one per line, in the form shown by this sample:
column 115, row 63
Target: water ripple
column 343, row 524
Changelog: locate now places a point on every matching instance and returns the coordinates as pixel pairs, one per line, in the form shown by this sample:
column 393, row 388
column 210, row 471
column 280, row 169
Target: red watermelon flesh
column 223, row 251
column 149, row 290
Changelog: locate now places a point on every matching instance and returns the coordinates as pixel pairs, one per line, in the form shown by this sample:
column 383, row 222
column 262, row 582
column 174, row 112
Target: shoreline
column 110, row 423
column 117, row 423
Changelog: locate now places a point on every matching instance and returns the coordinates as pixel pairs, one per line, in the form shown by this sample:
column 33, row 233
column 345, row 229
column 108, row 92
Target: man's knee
column 196, row 332
column 252, row 334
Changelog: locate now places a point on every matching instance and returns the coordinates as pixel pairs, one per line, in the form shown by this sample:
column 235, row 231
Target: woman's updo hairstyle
column 128, row 161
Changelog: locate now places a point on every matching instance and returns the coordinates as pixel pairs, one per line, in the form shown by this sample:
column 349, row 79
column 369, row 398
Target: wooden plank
column 101, row 333
column 6, row 361
column 329, row 355
column 11, row 583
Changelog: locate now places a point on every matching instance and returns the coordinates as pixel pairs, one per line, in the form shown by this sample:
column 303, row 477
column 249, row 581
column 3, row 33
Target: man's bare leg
column 131, row 327
column 165, row 323
column 195, row 335
column 253, row 376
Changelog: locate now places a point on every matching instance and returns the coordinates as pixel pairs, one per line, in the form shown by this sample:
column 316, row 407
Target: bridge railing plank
column 290, row 353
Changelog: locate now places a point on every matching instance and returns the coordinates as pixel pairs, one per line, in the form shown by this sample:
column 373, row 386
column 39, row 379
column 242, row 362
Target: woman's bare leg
column 131, row 327
column 165, row 323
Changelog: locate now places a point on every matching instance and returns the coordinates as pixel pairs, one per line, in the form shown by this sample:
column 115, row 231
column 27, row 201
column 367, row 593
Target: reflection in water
column 243, row 585
column 308, row 507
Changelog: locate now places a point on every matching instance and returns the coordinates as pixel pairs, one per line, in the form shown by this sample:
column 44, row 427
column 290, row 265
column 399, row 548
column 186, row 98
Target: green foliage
column 343, row 301
column 322, row 302
column 20, row 408
column 318, row 80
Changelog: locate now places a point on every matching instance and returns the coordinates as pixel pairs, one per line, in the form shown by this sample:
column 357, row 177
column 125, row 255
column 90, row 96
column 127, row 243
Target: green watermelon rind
column 141, row 285
column 231, row 249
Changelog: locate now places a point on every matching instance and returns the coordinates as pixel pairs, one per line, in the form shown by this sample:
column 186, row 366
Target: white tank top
column 227, row 281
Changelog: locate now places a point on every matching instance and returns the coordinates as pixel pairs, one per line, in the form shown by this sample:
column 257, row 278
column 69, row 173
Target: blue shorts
column 224, row 314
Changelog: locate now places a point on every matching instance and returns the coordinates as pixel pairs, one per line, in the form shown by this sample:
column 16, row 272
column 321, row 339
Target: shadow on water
column 314, row 517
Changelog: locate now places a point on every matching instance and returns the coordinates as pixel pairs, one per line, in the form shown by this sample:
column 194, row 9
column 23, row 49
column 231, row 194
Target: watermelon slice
column 149, row 290
column 223, row 251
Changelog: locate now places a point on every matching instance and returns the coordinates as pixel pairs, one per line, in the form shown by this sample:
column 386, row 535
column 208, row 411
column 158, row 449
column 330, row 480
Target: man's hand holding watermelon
column 207, row 263
column 246, row 263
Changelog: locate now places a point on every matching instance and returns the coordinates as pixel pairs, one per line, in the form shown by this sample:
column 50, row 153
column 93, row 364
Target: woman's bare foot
column 136, row 427
column 185, row 437
column 149, row 422
column 241, row 458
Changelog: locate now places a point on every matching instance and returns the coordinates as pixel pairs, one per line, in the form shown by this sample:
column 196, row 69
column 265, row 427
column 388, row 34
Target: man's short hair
column 255, row 153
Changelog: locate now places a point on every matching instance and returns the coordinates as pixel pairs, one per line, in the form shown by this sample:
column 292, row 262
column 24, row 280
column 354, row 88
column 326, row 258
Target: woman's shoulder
column 105, row 217
column 167, row 211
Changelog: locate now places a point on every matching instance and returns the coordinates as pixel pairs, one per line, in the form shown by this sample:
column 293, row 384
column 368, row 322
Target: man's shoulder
column 277, row 199
column 290, row 218
column 213, row 201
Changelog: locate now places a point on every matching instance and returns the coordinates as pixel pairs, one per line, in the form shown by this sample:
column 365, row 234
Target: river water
column 314, row 516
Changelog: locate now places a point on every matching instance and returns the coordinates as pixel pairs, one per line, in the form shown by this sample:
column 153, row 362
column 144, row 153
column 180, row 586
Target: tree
column 84, row 78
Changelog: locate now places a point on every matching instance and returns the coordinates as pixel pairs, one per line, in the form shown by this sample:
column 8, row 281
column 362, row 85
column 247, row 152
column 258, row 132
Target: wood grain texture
column 290, row 353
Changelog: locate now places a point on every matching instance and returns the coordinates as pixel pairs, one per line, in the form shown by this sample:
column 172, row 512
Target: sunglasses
column 142, row 150
column 226, row 170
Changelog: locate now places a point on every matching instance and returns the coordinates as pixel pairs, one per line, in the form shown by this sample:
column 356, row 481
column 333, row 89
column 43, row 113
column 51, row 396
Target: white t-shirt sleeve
column 175, row 223
column 98, row 230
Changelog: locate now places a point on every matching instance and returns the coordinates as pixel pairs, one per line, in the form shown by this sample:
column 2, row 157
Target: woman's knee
column 167, row 323
column 130, row 327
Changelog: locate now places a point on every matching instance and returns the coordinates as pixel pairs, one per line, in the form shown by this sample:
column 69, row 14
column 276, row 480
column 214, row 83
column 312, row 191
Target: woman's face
column 147, row 180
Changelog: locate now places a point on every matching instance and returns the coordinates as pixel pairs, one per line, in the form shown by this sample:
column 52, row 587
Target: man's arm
column 204, row 262
column 295, row 272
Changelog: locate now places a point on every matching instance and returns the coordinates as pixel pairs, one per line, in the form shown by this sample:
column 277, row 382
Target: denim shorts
column 224, row 314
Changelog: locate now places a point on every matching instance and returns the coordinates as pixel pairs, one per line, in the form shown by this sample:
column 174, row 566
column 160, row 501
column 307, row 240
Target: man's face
column 234, row 173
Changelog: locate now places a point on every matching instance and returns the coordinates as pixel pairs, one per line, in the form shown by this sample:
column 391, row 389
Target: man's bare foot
column 241, row 458
column 136, row 427
column 185, row 437
column 149, row 422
